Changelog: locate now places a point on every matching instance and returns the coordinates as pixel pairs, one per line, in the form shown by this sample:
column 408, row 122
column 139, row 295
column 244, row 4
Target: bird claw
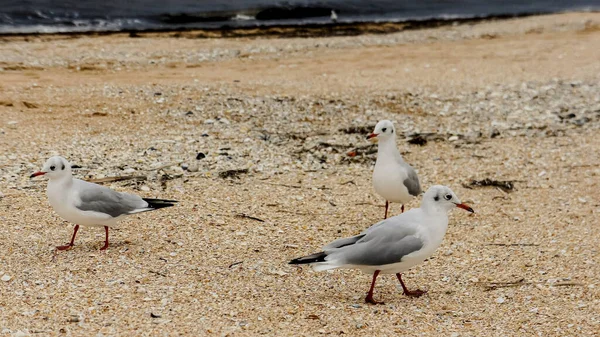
column 66, row 247
column 415, row 293
column 370, row 300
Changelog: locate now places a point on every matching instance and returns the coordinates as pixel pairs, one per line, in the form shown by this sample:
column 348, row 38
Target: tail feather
column 314, row 258
column 159, row 203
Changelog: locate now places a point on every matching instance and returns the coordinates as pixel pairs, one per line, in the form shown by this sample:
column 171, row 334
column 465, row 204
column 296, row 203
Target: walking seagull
column 394, row 245
column 88, row 204
column 393, row 178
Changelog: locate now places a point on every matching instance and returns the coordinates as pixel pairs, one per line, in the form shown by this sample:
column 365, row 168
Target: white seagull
column 393, row 178
column 394, row 245
column 88, row 204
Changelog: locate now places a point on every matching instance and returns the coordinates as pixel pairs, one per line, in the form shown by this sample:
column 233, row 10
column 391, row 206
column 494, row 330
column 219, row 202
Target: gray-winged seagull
column 88, row 204
column 393, row 178
column 394, row 245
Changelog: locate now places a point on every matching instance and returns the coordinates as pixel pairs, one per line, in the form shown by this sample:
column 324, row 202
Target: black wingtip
column 314, row 258
column 160, row 203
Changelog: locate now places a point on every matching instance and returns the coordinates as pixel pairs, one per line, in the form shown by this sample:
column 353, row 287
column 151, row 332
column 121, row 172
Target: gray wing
column 412, row 181
column 343, row 242
column 100, row 199
column 381, row 246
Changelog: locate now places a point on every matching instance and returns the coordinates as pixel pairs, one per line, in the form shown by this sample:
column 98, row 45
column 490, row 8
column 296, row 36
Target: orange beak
column 37, row 174
column 465, row 207
column 373, row 135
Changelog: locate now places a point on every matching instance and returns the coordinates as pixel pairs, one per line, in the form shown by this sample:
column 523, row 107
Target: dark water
column 27, row 16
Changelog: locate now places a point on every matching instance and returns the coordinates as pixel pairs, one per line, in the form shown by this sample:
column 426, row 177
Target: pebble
column 193, row 167
column 5, row 278
column 500, row 300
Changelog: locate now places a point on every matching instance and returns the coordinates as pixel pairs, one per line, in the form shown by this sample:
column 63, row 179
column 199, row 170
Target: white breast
column 388, row 181
column 63, row 199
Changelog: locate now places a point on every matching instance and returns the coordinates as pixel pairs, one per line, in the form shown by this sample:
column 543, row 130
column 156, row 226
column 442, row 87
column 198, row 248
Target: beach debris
column 504, row 185
column 363, row 130
column 232, row 173
column 153, row 315
column 200, row 155
column 246, row 216
column 30, row 105
column 235, row 264
column 417, row 140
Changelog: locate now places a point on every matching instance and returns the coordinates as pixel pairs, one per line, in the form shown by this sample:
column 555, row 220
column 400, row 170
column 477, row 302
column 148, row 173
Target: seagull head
column 55, row 167
column 442, row 197
column 383, row 130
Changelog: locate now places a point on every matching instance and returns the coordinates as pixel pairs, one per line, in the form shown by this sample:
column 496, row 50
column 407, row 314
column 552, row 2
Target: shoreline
column 309, row 30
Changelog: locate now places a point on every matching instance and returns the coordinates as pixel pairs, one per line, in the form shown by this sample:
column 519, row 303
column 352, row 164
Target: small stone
column 453, row 138
column 184, row 166
column 200, row 155
column 581, row 200
column 500, row 300
column 1, row 195
column 6, row 278
column 209, row 121
column 193, row 167
column 145, row 188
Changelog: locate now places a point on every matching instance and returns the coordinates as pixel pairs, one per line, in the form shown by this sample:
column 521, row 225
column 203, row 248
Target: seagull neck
column 387, row 148
column 66, row 180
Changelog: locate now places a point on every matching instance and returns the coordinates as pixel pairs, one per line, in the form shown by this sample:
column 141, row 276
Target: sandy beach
column 272, row 121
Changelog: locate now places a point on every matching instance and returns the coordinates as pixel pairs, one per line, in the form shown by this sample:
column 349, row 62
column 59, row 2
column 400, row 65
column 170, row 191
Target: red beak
column 39, row 173
column 465, row 207
column 373, row 135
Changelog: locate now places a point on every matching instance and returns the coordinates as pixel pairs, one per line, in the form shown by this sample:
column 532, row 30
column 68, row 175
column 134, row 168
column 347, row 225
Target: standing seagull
column 393, row 178
column 88, row 204
column 394, row 245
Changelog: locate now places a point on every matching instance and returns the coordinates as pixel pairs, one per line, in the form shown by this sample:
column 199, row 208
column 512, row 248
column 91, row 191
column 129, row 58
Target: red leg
column 369, row 298
column 106, row 241
column 386, row 209
column 402, row 208
column 414, row 293
column 72, row 240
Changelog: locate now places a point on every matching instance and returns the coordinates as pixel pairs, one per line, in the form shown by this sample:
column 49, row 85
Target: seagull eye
column 448, row 197
column 52, row 167
column 383, row 130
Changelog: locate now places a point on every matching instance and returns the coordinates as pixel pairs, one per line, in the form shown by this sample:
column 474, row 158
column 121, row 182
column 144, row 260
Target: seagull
column 87, row 204
column 393, row 178
column 333, row 16
column 394, row 245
